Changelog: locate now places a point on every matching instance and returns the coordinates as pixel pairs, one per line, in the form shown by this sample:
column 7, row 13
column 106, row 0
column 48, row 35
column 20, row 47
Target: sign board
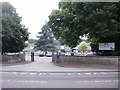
column 106, row 46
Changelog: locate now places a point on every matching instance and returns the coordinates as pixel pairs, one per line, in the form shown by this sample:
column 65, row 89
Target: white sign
column 106, row 46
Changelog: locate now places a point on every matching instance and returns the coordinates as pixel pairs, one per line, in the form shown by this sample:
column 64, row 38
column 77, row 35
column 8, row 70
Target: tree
column 0, row 39
column 99, row 21
column 0, row 30
column 46, row 40
column 32, row 41
column 83, row 46
column 63, row 50
column 62, row 27
column 14, row 34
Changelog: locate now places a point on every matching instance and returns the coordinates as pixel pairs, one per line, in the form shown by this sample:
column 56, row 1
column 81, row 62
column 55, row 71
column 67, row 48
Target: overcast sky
column 34, row 13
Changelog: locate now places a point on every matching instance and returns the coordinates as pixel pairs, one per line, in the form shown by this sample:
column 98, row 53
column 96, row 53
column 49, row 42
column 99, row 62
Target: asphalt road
column 43, row 74
column 25, row 79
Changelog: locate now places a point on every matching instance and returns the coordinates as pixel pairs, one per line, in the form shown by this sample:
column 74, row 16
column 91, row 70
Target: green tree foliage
column 63, row 50
column 0, row 28
column 14, row 34
column 83, row 46
column 97, row 20
column 0, row 38
column 32, row 41
column 46, row 40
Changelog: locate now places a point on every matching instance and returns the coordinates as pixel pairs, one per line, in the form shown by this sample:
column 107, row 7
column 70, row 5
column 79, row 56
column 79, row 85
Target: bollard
column 32, row 56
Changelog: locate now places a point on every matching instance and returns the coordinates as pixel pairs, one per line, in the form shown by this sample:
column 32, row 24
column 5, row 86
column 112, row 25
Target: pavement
column 45, row 64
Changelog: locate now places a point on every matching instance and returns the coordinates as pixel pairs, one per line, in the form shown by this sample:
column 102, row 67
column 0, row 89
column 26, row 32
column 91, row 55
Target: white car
column 49, row 54
column 67, row 54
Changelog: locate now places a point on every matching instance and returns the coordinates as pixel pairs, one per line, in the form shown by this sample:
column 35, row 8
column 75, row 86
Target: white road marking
column 69, row 73
column 79, row 74
column 4, row 69
column 95, row 73
column 29, row 81
column 43, row 81
column 32, row 81
column 103, row 73
column 107, row 81
column 22, row 81
column 115, row 80
column 44, row 73
column 57, row 73
column 33, row 73
column 4, row 72
column 8, row 80
column 110, row 80
column 40, row 73
column 1, row 80
column 91, row 81
column 14, row 73
column 98, row 81
column 86, row 81
column 87, row 73
column 23, row 73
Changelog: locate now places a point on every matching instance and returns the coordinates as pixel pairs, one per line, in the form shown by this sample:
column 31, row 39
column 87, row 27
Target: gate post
column 32, row 56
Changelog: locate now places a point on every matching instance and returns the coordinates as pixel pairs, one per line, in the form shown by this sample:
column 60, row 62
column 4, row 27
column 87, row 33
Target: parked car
column 67, row 54
column 55, row 53
column 62, row 54
column 49, row 54
column 90, row 55
column 41, row 54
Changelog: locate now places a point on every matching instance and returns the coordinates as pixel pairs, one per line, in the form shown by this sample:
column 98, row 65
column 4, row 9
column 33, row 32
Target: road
column 44, row 74
column 59, row 80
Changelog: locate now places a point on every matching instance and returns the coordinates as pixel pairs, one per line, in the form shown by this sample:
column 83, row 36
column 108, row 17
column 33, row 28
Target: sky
column 34, row 13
